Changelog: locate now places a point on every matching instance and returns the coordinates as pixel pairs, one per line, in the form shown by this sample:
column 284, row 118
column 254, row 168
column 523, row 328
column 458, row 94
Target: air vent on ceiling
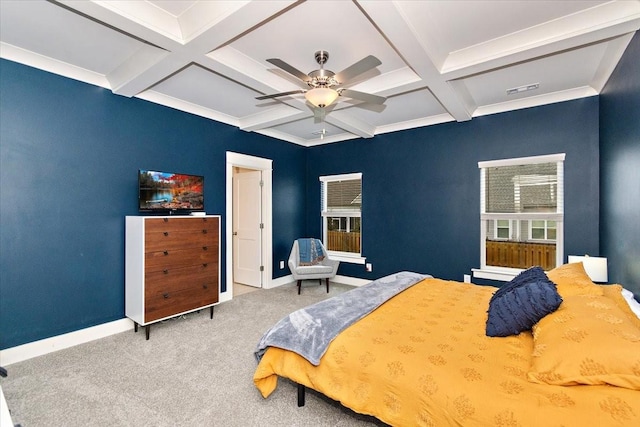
column 524, row 88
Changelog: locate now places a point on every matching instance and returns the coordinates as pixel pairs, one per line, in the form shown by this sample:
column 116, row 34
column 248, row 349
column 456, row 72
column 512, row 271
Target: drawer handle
column 165, row 271
column 205, row 264
column 166, row 233
column 205, row 286
column 204, row 231
column 165, row 295
column 166, row 253
column 204, row 248
column 166, row 219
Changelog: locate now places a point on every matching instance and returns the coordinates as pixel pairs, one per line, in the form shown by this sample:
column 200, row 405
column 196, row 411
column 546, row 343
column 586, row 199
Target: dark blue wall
column 69, row 156
column 69, row 153
column 620, row 170
column 421, row 203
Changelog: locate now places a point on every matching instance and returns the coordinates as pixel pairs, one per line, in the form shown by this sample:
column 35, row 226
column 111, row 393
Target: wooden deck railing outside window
column 521, row 254
column 343, row 241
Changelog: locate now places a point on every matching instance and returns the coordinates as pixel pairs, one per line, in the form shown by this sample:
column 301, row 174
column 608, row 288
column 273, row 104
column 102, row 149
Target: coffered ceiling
column 441, row 61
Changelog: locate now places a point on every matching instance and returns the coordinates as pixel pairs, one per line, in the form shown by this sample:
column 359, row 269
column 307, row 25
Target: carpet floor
column 192, row 372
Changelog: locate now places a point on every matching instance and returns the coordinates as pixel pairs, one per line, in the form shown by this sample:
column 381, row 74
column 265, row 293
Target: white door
column 247, row 231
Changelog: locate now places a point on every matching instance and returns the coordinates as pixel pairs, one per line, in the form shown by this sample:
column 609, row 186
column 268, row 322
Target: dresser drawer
column 164, row 304
column 178, row 239
column 170, row 259
column 181, row 277
column 184, row 224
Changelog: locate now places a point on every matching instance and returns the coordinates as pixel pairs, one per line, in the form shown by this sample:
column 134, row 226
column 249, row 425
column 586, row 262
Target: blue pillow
column 521, row 279
column 521, row 303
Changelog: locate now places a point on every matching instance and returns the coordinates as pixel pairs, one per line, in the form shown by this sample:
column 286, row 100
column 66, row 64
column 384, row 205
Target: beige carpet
column 192, row 372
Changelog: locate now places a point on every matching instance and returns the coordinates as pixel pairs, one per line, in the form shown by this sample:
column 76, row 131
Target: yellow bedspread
column 423, row 359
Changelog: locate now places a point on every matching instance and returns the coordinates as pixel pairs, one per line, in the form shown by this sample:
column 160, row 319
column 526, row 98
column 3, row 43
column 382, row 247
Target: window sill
column 500, row 274
column 342, row 257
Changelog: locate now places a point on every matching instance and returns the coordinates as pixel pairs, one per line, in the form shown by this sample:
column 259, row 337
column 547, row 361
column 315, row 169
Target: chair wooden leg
column 299, row 286
column 327, row 279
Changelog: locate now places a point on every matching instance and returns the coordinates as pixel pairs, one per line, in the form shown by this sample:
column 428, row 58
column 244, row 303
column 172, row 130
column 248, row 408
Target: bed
column 423, row 357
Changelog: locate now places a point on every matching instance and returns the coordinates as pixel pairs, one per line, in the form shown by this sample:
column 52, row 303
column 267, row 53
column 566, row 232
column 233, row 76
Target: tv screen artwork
column 164, row 191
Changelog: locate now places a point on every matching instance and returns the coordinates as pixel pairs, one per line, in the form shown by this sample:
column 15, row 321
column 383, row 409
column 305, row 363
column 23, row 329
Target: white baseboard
column 351, row 281
column 60, row 342
column 344, row 280
column 224, row 296
column 284, row 280
column 49, row 345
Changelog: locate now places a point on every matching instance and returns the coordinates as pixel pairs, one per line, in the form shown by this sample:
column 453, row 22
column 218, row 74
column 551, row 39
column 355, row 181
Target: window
column 521, row 215
column 503, row 229
column 341, row 204
column 543, row 229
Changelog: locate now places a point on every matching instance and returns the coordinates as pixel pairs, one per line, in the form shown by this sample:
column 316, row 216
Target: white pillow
column 633, row 304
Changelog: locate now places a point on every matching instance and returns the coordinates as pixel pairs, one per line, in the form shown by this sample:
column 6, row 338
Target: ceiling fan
column 326, row 86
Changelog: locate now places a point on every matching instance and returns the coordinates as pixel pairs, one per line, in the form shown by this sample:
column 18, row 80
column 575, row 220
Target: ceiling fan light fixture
column 321, row 96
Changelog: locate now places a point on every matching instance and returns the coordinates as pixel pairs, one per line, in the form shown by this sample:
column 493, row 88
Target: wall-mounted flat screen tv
column 164, row 192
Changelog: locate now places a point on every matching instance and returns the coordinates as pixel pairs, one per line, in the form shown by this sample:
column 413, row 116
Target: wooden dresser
column 172, row 266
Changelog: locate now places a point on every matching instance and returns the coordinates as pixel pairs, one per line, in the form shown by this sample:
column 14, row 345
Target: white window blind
column 521, row 212
column 341, row 194
column 341, row 205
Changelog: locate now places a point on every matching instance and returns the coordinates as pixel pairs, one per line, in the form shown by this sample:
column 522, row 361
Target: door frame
column 264, row 165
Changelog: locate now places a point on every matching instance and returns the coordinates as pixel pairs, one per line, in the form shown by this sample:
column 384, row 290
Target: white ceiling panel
column 209, row 90
column 55, row 32
column 406, row 107
column 481, row 21
column 554, row 73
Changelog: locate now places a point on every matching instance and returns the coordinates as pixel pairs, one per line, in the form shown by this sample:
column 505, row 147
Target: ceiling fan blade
column 288, row 68
column 358, row 68
column 276, row 95
column 366, row 97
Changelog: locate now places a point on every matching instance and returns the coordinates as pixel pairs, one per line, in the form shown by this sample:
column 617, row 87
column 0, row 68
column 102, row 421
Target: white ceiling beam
column 277, row 134
column 391, row 83
column 246, row 71
column 349, row 123
column 198, row 18
column 142, row 70
column 615, row 50
column 330, row 139
column 147, row 15
column 272, row 117
column 534, row 101
column 150, row 65
column 235, row 24
column 398, row 31
column 416, row 123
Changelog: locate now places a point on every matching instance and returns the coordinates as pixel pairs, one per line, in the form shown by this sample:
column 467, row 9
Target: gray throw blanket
column 310, row 251
column 310, row 330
